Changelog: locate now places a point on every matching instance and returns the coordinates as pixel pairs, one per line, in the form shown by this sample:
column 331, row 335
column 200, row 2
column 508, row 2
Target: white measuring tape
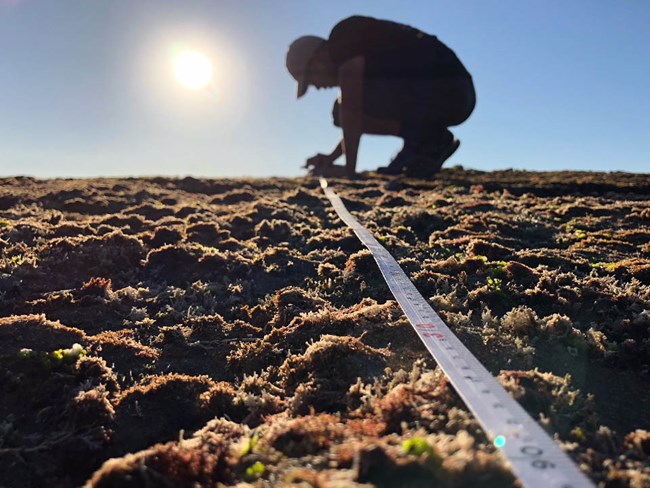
column 534, row 457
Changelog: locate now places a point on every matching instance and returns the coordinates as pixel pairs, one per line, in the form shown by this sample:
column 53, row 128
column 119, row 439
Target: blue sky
column 87, row 89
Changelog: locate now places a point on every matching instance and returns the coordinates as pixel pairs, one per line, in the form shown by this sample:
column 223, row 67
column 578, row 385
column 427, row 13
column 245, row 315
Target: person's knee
column 336, row 113
column 371, row 125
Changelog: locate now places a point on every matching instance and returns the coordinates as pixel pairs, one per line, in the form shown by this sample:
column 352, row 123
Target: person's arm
column 351, row 83
column 321, row 160
column 337, row 152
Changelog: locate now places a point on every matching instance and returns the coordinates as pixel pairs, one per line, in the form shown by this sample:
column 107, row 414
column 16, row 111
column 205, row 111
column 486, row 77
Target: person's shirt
column 392, row 50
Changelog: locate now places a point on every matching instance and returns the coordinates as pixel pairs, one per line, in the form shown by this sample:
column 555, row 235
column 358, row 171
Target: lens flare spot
column 499, row 441
column 193, row 70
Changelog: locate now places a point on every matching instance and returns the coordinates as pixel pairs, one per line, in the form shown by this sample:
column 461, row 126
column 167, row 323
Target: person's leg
column 420, row 112
column 383, row 115
column 449, row 103
column 426, row 132
column 420, row 109
column 381, row 127
column 371, row 125
column 378, row 126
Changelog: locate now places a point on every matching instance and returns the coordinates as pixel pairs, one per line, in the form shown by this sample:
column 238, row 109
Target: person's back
column 392, row 50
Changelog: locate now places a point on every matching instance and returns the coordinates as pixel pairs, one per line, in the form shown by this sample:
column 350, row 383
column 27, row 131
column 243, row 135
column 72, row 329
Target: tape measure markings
column 533, row 456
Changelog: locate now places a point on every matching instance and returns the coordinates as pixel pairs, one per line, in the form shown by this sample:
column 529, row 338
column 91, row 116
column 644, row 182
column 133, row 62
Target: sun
column 193, row 69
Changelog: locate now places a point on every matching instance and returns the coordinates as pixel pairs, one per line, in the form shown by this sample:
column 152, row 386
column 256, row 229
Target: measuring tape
column 533, row 456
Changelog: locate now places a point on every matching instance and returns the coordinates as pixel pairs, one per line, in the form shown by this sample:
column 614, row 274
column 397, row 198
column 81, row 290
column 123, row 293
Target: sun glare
column 193, row 70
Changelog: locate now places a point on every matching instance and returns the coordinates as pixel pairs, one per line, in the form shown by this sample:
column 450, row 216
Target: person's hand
column 319, row 161
column 333, row 170
column 323, row 165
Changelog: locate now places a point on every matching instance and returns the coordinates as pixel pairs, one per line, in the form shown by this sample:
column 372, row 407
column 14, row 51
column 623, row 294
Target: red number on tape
column 426, row 326
column 435, row 335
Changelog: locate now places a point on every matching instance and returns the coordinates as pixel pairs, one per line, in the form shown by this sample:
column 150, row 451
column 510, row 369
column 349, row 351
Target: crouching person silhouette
column 393, row 80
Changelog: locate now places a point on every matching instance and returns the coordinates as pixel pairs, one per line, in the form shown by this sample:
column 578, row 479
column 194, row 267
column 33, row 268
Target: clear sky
column 87, row 86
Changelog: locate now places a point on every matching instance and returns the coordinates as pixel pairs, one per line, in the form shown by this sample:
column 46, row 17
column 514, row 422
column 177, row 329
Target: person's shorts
column 442, row 102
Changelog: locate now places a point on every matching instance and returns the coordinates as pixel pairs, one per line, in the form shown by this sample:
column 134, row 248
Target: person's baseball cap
column 300, row 53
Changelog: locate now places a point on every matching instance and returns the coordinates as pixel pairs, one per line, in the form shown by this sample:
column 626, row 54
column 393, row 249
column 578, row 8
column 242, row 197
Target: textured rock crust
column 184, row 332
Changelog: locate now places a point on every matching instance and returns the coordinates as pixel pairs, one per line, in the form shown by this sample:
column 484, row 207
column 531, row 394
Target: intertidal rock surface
column 184, row 332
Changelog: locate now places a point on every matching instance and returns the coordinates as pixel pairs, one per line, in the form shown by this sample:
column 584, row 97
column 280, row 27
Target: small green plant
column 256, row 470
column 609, row 267
column 67, row 356
column 417, row 446
column 579, row 433
column 420, row 447
column 249, row 445
column 382, row 239
column 580, row 234
column 60, row 359
column 4, row 223
column 495, row 284
column 497, row 269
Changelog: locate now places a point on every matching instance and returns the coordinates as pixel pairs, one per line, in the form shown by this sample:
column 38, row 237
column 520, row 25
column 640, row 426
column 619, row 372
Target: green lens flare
column 499, row 441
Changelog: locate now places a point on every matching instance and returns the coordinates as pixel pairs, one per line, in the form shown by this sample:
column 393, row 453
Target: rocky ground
column 174, row 332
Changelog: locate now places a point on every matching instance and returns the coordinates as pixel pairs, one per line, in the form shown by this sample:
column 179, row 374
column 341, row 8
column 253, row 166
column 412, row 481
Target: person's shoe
column 425, row 165
column 399, row 162
column 388, row 170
